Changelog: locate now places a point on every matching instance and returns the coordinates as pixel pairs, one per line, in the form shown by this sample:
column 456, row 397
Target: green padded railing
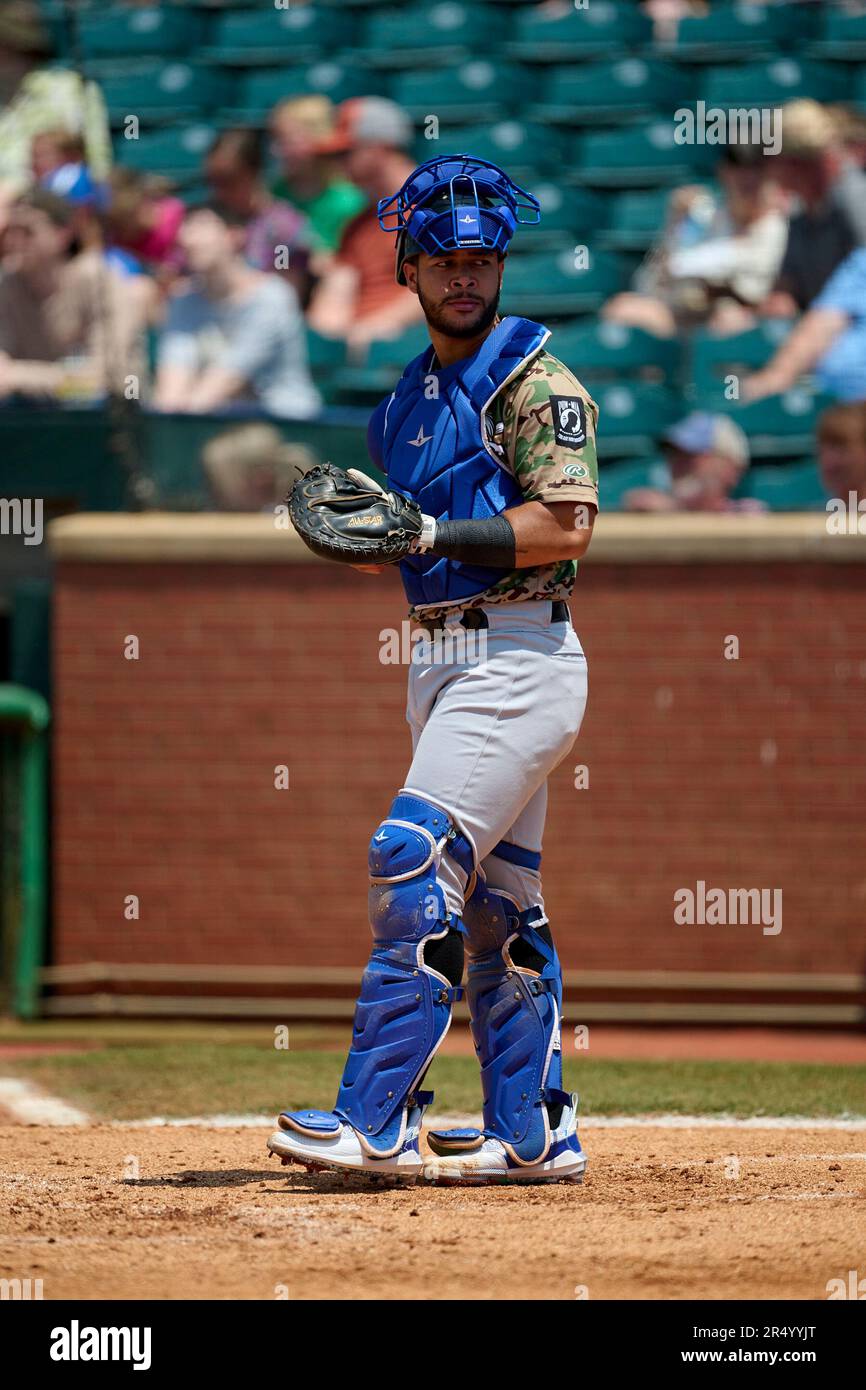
column 24, row 719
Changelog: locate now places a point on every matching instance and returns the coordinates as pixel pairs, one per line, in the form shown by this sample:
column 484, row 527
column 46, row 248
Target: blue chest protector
column 433, row 451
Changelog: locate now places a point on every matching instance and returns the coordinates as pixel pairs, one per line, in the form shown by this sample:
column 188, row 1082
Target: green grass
column 186, row 1076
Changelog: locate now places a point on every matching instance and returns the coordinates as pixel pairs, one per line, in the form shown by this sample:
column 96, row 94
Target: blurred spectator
column 841, row 436
column 69, row 326
column 707, row 456
column 851, row 130
column 716, row 260
column 87, row 202
column 144, row 219
column 831, row 218
column 54, row 150
column 666, row 15
column 358, row 298
column 233, row 335
column 830, row 339
column 277, row 235
column 311, row 181
column 24, row 42
column 250, row 467
column 48, row 99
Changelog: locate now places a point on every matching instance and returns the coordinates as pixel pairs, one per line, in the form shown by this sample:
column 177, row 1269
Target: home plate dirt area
column 107, row 1211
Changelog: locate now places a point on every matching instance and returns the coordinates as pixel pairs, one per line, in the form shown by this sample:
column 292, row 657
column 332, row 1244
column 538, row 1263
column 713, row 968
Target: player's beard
column 471, row 328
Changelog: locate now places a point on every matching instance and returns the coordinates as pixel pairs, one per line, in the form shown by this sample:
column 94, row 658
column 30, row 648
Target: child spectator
column 52, row 151
column 250, row 467
column 707, row 456
column 144, row 219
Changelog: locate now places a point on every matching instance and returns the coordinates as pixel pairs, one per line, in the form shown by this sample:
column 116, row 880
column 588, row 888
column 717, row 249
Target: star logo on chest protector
column 420, row 439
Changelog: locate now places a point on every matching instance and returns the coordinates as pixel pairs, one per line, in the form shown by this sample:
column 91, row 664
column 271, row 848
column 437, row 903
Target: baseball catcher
column 487, row 448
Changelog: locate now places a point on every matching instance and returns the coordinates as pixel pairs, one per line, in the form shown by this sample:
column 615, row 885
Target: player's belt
column 474, row 618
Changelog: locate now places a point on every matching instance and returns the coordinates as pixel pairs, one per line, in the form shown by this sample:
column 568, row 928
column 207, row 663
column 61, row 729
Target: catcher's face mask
column 453, row 203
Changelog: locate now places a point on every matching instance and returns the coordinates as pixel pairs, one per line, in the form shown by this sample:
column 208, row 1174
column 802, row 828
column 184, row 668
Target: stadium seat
column 194, row 193
column 632, row 221
column 860, row 91
column 156, row 91
column 480, row 90
column 633, row 416
column 641, row 155
column 607, row 92
column 739, row 32
column 714, row 358
column 777, row 427
column 154, row 32
column 616, row 479
column 426, row 35
column 177, row 152
column 259, row 91
column 568, row 216
column 365, row 385
column 300, row 34
column 598, row 29
column 325, row 354
column 396, row 353
column 841, row 36
column 527, row 151
column 785, row 487
column 772, row 84
column 610, row 350
column 543, row 285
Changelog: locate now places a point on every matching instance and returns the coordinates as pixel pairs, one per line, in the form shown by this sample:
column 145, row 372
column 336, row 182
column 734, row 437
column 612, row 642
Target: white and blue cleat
column 320, row 1140
column 468, row 1156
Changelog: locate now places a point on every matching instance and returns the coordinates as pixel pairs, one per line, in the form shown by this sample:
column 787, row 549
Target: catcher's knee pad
column 515, row 1000
column 413, row 976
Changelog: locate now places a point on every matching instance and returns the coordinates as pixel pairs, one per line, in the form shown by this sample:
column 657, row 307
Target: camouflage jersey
column 542, row 427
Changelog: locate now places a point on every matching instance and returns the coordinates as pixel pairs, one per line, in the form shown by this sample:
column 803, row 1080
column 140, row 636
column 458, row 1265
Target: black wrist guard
column 486, row 541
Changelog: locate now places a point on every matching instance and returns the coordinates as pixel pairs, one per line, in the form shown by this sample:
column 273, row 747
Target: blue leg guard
column 515, row 999
column 413, row 977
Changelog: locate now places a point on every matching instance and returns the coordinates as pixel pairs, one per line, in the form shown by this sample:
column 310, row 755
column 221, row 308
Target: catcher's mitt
column 344, row 515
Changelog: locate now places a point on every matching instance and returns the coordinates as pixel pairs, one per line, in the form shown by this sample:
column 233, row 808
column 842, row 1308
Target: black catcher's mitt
column 344, row 515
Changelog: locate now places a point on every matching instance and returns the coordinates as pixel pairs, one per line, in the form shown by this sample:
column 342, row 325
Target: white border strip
column 30, row 1106
column 27, row 1104
column 855, row 1123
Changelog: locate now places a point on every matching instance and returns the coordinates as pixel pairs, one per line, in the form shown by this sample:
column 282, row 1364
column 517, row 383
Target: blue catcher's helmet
column 452, row 202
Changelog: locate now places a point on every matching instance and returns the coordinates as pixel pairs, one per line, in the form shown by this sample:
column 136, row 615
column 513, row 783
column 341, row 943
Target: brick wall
column 745, row 773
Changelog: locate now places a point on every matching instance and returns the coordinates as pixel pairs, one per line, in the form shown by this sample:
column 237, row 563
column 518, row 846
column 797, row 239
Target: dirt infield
column 132, row 1213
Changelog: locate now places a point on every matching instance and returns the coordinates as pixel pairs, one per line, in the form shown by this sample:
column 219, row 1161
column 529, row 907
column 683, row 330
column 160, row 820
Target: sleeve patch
column 569, row 421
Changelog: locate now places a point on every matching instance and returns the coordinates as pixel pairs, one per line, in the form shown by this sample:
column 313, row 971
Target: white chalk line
column 29, row 1104
column 855, row 1123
